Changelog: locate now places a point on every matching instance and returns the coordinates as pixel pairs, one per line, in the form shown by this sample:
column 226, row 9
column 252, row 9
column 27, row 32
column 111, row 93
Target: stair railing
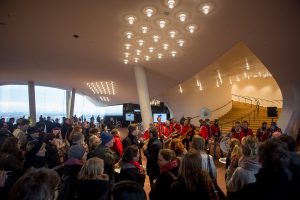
column 219, row 108
column 257, row 100
column 246, row 116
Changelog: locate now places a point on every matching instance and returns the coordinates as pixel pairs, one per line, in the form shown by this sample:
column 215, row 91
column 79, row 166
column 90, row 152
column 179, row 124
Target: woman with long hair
column 168, row 164
column 130, row 168
column 92, row 182
column 11, row 164
column 192, row 182
column 248, row 166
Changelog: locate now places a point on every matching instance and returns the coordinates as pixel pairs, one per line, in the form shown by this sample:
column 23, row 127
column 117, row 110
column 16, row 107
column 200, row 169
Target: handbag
column 216, row 193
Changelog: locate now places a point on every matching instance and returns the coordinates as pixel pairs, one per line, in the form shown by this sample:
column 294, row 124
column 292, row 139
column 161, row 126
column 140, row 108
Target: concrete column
column 143, row 93
column 68, row 103
column 72, row 102
column 32, row 108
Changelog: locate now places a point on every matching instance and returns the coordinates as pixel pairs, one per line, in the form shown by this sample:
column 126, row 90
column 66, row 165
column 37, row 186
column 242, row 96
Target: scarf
column 137, row 165
column 169, row 166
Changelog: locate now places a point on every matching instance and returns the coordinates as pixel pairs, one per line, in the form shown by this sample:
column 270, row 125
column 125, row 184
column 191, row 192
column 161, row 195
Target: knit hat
column 76, row 151
column 106, row 137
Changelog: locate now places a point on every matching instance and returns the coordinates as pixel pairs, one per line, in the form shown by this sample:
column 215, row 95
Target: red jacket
column 245, row 133
column 118, row 148
column 167, row 130
column 160, row 128
column 215, row 130
column 146, row 134
column 203, row 132
column 184, row 130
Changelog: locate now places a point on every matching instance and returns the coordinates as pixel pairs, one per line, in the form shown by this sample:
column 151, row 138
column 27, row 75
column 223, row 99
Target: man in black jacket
column 151, row 153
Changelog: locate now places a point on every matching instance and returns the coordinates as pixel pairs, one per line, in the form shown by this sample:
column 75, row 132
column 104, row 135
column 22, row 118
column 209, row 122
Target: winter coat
column 179, row 191
column 243, row 175
column 162, row 189
column 52, row 156
column 107, row 156
column 151, row 153
column 69, row 179
column 131, row 172
column 93, row 189
column 270, row 185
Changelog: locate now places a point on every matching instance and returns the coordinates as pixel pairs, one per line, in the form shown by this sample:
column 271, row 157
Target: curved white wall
column 190, row 102
column 264, row 88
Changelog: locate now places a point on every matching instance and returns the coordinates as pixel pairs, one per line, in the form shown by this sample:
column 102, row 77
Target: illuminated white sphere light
column 155, row 38
column 181, row 42
column 149, row 11
column 172, row 33
column 129, row 34
column 206, row 8
column 131, row 19
column 192, row 28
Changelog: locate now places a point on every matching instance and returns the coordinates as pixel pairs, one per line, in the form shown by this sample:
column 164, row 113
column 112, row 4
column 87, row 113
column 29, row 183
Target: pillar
column 32, row 108
column 143, row 94
column 68, row 103
column 72, row 102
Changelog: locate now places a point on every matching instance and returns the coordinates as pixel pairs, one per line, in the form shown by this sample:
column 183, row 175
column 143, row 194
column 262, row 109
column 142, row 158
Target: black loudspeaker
column 272, row 111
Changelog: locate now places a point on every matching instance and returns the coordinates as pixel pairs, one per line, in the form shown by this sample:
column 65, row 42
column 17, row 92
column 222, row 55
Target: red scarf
column 137, row 165
column 169, row 166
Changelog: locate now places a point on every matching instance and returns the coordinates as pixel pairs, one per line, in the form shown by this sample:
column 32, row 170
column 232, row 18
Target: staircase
column 244, row 111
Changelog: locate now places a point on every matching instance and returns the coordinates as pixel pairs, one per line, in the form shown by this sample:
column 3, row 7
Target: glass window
column 50, row 102
column 14, row 101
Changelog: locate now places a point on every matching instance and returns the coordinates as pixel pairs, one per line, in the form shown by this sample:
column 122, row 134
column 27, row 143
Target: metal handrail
column 219, row 108
column 257, row 99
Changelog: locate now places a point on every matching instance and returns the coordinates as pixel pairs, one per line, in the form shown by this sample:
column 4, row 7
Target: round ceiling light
column 159, row 55
column 162, row 23
column 173, row 53
column 140, row 42
column 147, row 58
column 131, row 19
column 171, row 3
column 192, row 28
column 129, row 34
column 155, row 38
column 180, row 42
column 144, row 29
column 172, row 33
column 127, row 54
column 149, row 11
column 206, row 8
column 151, row 49
column 182, row 16
column 165, row 46
column 127, row 46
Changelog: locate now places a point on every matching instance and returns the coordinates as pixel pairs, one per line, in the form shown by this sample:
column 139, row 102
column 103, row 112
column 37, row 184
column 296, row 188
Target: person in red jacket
column 185, row 132
column 117, row 147
column 245, row 130
column 159, row 126
column 204, row 132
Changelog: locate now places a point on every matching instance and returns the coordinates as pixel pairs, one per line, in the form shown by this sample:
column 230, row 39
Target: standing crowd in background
column 89, row 160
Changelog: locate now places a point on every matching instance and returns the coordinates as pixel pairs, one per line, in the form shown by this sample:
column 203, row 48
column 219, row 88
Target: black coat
column 151, row 153
column 93, row 189
column 270, row 185
column 52, row 156
column 162, row 189
column 132, row 140
column 131, row 172
column 179, row 191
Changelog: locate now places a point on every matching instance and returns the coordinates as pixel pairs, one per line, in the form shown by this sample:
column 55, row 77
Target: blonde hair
column 177, row 146
column 249, row 146
column 93, row 170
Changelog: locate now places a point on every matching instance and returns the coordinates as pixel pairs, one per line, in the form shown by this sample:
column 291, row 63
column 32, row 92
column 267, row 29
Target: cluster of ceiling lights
column 102, row 88
column 155, row 36
column 155, row 102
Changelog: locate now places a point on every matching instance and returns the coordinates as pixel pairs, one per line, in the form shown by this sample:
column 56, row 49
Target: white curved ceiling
column 37, row 41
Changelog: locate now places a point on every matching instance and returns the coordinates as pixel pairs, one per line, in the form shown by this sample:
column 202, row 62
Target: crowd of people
column 80, row 160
